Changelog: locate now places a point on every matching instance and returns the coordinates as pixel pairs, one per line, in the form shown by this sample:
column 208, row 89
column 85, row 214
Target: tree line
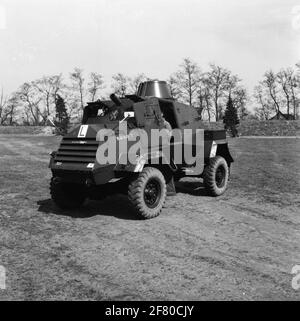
column 207, row 90
column 278, row 92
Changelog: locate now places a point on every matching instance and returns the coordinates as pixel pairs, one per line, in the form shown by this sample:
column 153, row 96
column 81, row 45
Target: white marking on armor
column 114, row 180
column 82, row 131
column 213, row 150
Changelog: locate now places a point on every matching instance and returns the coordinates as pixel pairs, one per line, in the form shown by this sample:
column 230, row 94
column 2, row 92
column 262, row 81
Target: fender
column 155, row 158
column 223, row 150
column 213, row 148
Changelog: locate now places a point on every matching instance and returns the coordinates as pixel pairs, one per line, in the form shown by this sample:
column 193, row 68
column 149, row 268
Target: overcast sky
column 44, row 37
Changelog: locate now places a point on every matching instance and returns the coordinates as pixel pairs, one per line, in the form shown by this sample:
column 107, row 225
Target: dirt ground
column 240, row 246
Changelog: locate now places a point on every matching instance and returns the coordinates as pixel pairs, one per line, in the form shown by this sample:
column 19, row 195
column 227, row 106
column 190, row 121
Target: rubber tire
column 209, row 176
column 67, row 195
column 136, row 192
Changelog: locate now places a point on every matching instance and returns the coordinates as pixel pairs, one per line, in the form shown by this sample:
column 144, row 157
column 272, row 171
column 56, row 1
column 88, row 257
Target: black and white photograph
column 149, row 152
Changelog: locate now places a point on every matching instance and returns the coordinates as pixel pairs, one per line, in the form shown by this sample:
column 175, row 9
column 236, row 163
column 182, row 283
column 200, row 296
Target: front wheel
column 67, row 195
column 215, row 176
column 147, row 193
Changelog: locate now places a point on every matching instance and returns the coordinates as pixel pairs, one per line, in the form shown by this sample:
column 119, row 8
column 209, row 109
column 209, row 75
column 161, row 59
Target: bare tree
column 187, row 80
column 31, row 101
column 48, row 87
column 284, row 78
column 205, row 95
column 12, row 108
column 3, row 108
column 295, row 86
column 78, row 84
column 173, row 85
column 96, row 83
column 204, row 98
column 120, row 84
column 264, row 109
column 295, row 90
column 201, row 94
column 271, row 84
column 239, row 98
column 208, row 103
column 220, row 81
column 136, row 81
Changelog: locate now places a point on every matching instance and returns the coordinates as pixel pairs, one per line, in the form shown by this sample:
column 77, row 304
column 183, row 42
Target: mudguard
column 156, row 157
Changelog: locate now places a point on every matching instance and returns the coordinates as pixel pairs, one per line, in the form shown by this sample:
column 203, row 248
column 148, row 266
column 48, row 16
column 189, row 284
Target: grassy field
column 26, row 130
column 246, row 128
column 263, row 128
column 240, row 246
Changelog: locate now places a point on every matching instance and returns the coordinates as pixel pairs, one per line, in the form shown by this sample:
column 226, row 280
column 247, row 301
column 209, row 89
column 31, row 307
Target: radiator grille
column 76, row 150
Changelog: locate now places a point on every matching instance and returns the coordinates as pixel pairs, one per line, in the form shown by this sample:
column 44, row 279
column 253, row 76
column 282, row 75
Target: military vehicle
column 79, row 174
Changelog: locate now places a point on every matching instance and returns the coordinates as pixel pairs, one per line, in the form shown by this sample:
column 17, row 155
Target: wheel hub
column 152, row 193
column 220, row 176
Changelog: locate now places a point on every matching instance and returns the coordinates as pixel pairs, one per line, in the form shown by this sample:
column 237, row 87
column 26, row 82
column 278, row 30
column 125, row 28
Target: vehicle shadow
column 195, row 188
column 117, row 206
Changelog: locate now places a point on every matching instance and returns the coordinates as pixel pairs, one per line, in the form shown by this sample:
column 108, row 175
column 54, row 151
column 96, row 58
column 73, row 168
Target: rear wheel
column 67, row 195
column 147, row 193
column 215, row 176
